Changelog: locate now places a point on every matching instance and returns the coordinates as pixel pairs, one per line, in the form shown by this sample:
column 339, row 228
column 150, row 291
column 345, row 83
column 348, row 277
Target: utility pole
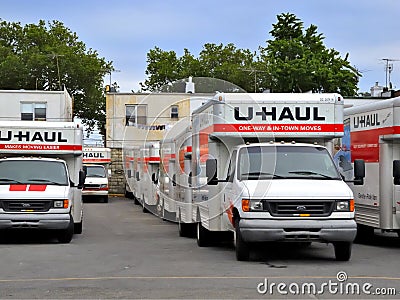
column 53, row 55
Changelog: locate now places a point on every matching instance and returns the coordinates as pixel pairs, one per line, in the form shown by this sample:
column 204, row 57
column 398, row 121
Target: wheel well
column 236, row 215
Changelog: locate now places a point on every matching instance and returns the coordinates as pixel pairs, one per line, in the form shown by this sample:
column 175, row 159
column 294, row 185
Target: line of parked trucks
column 274, row 167
column 260, row 167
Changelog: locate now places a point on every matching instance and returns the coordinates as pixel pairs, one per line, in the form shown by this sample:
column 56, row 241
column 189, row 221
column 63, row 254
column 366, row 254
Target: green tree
column 40, row 57
column 216, row 61
column 297, row 61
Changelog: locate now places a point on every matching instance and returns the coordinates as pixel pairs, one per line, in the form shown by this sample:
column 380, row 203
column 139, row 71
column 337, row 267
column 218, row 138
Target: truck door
column 388, row 192
column 229, row 193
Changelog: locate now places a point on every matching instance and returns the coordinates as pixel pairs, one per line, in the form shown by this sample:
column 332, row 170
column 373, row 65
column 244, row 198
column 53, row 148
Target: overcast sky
column 124, row 31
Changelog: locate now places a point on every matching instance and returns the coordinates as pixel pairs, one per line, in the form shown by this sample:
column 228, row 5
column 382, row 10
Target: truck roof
column 379, row 104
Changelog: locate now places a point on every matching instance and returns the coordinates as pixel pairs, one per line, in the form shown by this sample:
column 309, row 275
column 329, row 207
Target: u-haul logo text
column 92, row 155
column 369, row 120
column 285, row 113
column 36, row 136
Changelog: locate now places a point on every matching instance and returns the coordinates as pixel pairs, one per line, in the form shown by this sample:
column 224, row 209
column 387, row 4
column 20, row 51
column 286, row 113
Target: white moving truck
column 41, row 177
column 261, row 190
column 174, row 189
column 372, row 133
column 96, row 161
column 148, row 168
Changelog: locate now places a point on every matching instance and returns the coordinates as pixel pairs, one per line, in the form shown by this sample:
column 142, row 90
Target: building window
column 135, row 114
column 174, row 112
column 33, row 111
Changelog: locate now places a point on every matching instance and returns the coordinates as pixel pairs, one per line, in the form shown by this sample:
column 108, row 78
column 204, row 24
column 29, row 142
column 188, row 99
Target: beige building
column 133, row 119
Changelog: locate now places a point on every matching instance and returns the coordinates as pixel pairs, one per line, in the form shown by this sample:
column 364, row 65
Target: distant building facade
column 134, row 118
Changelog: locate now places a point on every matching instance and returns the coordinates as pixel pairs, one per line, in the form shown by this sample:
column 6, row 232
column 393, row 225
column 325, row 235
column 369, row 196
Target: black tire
column 364, row 233
column 342, row 250
column 242, row 248
column 202, row 236
column 78, row 227
column 185, row 229
column 135, row 200
column 65, row 235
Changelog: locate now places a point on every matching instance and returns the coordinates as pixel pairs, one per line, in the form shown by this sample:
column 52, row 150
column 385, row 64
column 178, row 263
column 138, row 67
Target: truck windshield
column 33, row 172
column 285, row 162
column 95, row 171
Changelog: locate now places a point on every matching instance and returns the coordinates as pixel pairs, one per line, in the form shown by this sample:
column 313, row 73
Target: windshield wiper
column 46, row 180
column 259, row 174
column 9, row 180
column 304, row 172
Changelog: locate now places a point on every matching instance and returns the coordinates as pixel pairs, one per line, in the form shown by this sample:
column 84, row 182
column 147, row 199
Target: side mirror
column 109, row 173
column 129, row 174
column 137, row 176
column 190, row 179
column 359, row 171
column 82, row 177
column 174, row 180
column 211, row 171
column 154, row 178
column 396, row 172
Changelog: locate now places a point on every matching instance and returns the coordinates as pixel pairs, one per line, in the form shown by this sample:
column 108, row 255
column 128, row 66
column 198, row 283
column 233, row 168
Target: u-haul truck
column 174, row 186
column 149, row 163
column 41, row 177
column 372, row 133
column 95, row 164
column 262, row 168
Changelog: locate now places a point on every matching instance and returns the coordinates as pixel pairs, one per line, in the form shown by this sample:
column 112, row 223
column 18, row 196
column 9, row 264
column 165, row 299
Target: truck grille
column 286, row 208
column 26, row 205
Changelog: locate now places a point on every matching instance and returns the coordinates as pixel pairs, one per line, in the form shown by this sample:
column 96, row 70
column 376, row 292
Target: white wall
column 58, row 104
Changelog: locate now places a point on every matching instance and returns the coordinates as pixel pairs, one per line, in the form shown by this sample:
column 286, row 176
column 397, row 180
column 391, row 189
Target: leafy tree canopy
column 294, row 60
column 40, row 57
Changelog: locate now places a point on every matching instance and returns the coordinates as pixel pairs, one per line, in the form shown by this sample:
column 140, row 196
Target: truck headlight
column 344, row 205
column 61, row 203
column 252, row 205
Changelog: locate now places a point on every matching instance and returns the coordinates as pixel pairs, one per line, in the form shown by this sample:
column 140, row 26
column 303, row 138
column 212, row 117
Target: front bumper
column 38, row 221
column 94, row 193
column 263, row 230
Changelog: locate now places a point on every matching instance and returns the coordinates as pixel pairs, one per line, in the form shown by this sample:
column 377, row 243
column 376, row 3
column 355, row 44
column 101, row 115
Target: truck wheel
column 203, row 236
column 65, row 235
column 364, row 233
column 241, row 247
column 78, row 228
column 185, row 230
column 342, row 250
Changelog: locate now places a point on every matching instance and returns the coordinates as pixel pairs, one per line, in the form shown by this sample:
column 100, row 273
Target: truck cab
column 96, row 161
column 287, row 192
column 96, row 182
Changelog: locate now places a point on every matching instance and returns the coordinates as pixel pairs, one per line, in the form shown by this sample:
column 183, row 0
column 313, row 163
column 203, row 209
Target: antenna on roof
column 389, row 69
